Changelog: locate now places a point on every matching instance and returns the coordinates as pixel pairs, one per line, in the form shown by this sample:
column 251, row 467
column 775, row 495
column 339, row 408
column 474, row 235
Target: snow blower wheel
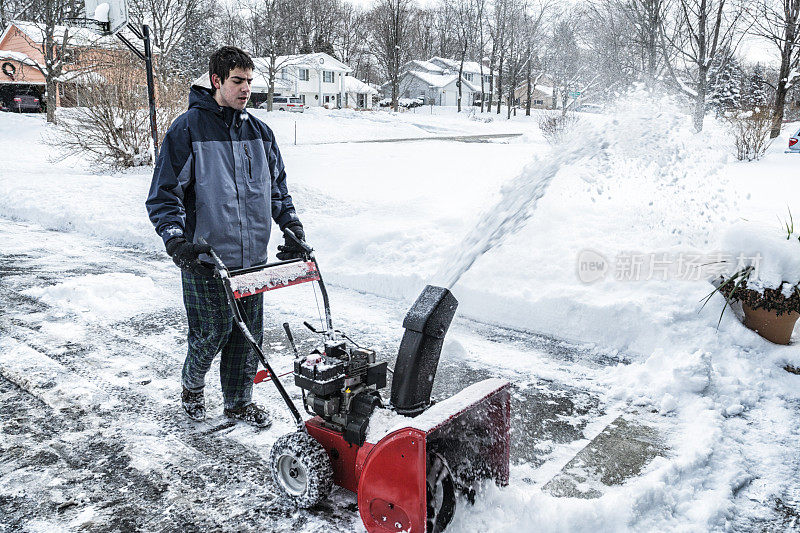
column 441, row 494
column 301, row 469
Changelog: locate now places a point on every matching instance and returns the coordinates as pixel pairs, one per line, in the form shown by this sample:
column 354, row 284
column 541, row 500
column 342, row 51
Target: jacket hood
column 201, row 97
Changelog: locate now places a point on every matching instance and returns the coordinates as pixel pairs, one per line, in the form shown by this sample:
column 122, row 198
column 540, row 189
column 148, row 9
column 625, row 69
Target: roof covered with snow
column 18, row 56
column 451, row 64
column 427, row 66
column 435, row 80
column 76, row 36
column 353, row 85
column 316, row 61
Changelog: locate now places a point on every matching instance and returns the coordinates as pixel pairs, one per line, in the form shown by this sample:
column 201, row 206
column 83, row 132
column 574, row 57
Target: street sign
column 574, row 94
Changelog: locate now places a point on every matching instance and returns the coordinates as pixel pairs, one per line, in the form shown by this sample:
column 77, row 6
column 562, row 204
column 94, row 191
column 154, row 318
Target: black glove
column 184, row 254
column 291, row 249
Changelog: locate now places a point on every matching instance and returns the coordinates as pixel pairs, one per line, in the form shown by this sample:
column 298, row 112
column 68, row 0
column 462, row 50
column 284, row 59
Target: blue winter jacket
column 219, row 175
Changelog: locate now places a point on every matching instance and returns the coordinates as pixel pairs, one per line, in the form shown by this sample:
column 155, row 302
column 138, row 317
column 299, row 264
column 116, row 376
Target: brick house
column 22, row 61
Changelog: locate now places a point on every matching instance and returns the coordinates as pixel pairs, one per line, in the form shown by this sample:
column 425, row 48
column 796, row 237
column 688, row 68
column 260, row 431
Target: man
column 220, row 176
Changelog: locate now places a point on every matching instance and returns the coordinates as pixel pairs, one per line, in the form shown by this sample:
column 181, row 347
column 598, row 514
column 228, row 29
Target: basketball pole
column 147, row 57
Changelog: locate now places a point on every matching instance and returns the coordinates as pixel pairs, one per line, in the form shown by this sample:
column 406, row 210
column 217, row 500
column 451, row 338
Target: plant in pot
column 764, row 278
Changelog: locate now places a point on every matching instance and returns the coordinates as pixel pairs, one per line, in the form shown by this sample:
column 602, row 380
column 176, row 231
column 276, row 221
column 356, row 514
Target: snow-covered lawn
column 637, row 189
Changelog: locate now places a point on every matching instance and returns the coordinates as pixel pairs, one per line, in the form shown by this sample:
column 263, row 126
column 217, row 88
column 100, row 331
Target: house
column 22, row 60
column 541, row 94
column 317, row 79
column 436, row 82
column 358, row 95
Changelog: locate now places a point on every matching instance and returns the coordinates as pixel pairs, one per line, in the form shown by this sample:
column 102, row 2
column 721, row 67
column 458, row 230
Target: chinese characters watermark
column 662, row 266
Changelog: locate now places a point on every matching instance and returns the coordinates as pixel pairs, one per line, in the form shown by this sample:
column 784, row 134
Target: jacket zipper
column 249, row 165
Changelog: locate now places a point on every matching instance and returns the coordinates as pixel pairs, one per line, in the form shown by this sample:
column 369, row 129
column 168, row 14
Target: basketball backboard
column 111, row 15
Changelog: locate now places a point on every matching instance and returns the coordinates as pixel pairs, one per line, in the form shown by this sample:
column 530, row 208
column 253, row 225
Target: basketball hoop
column 101, row 28
column 104, row 17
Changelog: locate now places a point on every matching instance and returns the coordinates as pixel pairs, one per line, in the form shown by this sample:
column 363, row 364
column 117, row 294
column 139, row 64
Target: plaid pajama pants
column 212, row 330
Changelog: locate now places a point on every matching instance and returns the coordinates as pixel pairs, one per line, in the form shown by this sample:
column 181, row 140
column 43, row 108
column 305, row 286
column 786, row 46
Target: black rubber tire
column 441, row 494
column 301, row 469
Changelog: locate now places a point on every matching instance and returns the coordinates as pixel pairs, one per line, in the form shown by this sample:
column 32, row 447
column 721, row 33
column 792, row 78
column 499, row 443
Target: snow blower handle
column 222, row 270
column 289, row 234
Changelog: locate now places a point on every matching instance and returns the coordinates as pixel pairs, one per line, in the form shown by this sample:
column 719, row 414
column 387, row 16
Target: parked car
column 794, row 143
column 25, row 103
column 285, row 103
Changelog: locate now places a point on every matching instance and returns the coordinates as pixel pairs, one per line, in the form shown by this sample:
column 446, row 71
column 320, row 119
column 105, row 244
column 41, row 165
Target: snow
column 385, row 421
column 18, row 56
column 77, row 35
column 103, row 297
column 354, row 85
column 270, row 278
column 505, row 224
column 774, row 257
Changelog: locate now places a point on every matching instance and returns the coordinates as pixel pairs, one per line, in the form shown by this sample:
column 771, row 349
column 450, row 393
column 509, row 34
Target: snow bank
column 105, row 298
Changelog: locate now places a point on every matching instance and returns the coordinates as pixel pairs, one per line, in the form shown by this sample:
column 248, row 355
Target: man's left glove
column 184, row 254
column 291, row 249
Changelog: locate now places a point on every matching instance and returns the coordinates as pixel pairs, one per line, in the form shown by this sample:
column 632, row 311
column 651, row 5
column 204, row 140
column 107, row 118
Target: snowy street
column 634, row 408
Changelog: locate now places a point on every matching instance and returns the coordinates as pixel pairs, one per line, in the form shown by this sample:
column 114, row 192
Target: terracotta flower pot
column 768, row 324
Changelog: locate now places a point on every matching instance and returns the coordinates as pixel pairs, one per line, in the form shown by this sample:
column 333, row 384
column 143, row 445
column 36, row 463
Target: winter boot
column 252, row 414
column 194, row 404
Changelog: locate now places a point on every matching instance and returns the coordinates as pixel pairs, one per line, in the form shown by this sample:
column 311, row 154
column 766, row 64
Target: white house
column 358, row 95
column 318, row 79
column 436, row 82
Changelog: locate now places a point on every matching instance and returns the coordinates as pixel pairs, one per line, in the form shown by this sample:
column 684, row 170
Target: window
column 303, row 74
column 538, row 102
column 284, row 73
column 327, row 76
column 468, row 76
column 302, row 96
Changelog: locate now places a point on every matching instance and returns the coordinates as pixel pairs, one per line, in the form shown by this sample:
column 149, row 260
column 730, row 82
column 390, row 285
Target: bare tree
column 231, row 20
column 113, row 128
column 562, row 59
column 646, row 17
column 169, row 21
column 497, row 30
column 445, row 29
column 465, row 22
column 779, row 22
column 703, row 29
column 480, row 30
column 516, row 56
column 390, row 24
column 533, row 24
column 270, row 24
column 54, row 41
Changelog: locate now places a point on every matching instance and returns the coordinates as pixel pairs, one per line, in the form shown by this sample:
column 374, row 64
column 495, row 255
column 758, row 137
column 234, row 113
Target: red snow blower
column 406, row 460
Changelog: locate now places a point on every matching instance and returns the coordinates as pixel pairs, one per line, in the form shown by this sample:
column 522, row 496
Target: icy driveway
column 92, row 435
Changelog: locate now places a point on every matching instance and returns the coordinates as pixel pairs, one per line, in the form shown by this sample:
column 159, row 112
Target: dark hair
column 226, row 59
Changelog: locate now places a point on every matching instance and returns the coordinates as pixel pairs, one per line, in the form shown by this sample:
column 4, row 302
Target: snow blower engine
column 408, row 460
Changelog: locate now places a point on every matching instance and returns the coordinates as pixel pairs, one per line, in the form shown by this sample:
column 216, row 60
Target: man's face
column 235, row 91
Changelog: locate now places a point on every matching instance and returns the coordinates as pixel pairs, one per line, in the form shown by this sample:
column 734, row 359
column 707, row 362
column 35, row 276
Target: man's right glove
column 184, row 254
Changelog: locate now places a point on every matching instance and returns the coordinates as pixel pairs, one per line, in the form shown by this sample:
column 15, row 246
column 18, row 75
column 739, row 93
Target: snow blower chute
column 406, row 461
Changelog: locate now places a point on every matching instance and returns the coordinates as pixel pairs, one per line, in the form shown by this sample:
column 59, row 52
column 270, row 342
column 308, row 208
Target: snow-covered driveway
column 92, row 434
